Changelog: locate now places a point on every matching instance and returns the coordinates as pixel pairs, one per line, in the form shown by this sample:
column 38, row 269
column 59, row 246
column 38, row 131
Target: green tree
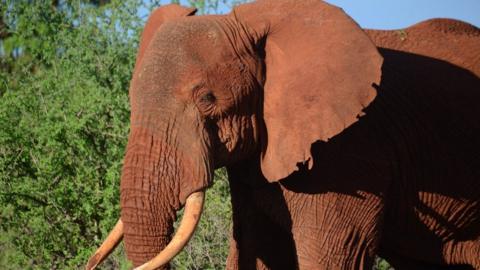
column 65, row 68
column 63, row 126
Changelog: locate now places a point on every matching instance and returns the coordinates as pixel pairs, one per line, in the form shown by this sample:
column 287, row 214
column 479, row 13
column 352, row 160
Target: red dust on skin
column 274, row 91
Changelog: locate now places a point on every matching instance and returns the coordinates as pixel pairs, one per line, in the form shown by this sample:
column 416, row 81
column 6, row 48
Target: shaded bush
column 208, row 248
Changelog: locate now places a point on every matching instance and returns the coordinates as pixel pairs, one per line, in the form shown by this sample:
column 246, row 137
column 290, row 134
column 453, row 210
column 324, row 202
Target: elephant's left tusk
column 107, row 246
column 191, row 216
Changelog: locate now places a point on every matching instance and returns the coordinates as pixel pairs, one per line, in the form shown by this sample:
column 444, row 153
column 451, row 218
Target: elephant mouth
column 188, row 224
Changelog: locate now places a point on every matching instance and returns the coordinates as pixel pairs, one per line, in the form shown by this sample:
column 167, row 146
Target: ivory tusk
column 113, row 238
column 191, row 216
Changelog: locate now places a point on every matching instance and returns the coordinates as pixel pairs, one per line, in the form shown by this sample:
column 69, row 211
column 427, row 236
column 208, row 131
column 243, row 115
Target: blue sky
column 394, row 14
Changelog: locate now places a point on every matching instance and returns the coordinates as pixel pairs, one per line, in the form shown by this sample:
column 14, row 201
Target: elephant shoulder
column 447, row 27
column 449, row 40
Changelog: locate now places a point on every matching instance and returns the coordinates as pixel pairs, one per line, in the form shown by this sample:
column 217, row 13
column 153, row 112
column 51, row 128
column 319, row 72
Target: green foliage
column 64, row 118
column 65, row 68
column 208, row 248
column 381, row 264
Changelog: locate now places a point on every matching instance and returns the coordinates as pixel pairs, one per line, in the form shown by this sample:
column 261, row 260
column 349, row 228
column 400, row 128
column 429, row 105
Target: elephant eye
column 208, row 98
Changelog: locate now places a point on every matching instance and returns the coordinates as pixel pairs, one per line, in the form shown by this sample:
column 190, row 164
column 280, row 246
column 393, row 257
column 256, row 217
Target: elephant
column 340, row 143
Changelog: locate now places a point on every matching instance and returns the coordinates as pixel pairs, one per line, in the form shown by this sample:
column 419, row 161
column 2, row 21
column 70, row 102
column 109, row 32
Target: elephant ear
column 320, row 68
column 157, row 18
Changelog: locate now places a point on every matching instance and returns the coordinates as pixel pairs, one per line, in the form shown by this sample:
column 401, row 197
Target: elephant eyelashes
column 207, row 103
column 208, row 98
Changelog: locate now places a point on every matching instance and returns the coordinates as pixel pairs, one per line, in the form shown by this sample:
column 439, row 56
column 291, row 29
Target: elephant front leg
column 258, row 241
column 323, row 250
column 259, row 244
column 338, row 232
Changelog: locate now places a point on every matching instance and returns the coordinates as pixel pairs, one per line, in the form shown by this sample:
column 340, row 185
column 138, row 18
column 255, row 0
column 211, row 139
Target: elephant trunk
column 147, row 212
column 144, row 235
column 151, row 193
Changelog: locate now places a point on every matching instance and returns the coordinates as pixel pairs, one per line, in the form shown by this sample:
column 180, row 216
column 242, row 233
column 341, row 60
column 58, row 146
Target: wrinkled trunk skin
column 149, row 196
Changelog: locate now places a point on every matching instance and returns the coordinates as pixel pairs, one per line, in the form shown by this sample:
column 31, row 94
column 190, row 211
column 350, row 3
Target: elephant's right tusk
column 191, row 216
column 107, row 246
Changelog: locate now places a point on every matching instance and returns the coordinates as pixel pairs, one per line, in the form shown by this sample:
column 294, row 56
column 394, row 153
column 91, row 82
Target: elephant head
column 263, row 82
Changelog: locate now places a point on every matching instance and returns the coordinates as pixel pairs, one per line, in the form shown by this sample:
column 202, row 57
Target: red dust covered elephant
column 340, row 143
